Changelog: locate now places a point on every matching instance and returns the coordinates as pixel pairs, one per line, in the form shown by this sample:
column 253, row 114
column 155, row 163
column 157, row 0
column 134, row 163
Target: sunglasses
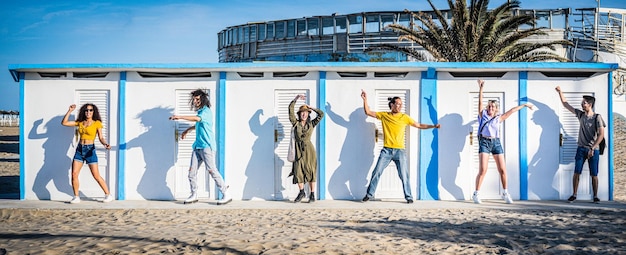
column 88, row 110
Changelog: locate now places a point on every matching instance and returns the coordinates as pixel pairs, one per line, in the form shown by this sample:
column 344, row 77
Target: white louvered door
column 184, row 149
column 100, row 98
column 491, row 187
column 389, row 184
column 568, row 145
column 283, row 185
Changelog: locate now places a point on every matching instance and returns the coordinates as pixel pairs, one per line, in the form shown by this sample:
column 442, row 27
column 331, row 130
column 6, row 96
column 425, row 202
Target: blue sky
column 162, row 31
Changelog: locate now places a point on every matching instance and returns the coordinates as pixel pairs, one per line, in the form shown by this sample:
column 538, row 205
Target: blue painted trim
column 22, row 137
column 221, row 127
column 321, row 102
column 609, row 141
column 429, row 139
column 523, row 136
column 319, row 66
column 121, row 153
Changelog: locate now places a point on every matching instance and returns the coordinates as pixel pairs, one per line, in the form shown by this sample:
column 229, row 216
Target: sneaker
column 476, row 199
column 225, row 199
column 507, row 198
column 312, row 197
column 75, row 200
column 596, row 200
column 365, row 199
column 571, row 199
column 192, row 199
column 108, row 198
column 409, row 201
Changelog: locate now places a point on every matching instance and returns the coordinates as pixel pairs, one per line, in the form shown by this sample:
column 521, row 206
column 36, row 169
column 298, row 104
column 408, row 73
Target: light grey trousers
column 207, row 156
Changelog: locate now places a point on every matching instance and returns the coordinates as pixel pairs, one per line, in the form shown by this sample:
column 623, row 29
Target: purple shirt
column 492, row 129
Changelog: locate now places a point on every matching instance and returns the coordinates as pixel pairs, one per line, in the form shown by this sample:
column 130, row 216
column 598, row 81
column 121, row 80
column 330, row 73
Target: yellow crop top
column 89, row 132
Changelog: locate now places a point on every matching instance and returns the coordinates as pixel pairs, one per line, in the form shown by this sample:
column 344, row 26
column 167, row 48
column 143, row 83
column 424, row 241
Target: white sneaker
column 108, row 198
column 225, row 199
column 75, row 200
column 476, row 199
column 192, row 199
column 507, row 198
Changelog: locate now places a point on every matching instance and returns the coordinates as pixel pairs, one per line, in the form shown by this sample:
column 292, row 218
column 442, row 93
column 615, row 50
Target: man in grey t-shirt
column 590, row 134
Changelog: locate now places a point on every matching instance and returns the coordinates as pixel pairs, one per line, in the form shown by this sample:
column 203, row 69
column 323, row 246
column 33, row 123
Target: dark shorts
column 490, row 145
column 581, row 156
column 86, row 153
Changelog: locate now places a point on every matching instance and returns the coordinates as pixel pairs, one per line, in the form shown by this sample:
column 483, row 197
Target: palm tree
column 475, row 34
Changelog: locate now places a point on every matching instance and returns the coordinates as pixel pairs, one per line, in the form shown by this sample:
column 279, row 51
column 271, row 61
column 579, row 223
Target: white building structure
column 148, row 160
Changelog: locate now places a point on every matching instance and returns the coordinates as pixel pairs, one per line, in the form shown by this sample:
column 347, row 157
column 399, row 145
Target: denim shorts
column 487, row 145
column 581, row 156
column 86, row 153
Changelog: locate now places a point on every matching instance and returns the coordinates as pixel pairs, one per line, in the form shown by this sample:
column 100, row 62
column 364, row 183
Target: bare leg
column 594, row 185
column 499, row 158
column 76, row 166
column 300, row 186
column 483, row 159
column 312, row 186
column 96, row 175
column 575, row 182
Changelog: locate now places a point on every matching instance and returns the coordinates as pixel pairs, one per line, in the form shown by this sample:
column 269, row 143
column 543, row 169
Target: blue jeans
column 86, row 153
column 399, row 158
column 581, row 156
column 207, row 156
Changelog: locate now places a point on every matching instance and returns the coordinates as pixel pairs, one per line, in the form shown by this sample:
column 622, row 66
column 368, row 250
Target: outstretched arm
column 425, row 126
column 188, row 118
column 366, row 107
column 507, row 114
column 564, row 101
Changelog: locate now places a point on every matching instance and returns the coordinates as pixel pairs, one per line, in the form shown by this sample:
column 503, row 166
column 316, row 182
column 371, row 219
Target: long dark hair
column 82, row 116
column 204, row 98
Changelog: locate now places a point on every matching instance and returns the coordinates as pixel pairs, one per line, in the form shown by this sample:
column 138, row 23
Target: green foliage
column 475, row 34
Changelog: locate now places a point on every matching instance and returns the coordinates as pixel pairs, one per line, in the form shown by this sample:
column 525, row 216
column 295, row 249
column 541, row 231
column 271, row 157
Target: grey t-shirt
column 588, row 132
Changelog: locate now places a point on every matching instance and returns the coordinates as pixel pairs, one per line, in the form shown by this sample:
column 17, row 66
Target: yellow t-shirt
column 89, row 132
column 394, row 127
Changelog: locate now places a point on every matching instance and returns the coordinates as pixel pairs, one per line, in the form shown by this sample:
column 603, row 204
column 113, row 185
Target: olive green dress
column 305, row 165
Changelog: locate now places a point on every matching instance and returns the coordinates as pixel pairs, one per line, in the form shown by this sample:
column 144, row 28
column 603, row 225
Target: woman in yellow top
column 89, row 125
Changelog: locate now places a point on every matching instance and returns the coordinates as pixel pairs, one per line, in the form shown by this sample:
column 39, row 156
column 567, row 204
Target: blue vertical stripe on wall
column 609, row 141
column 22, row 136
column 121, row 153
column 429, row 157
column 322, row 138
column 221, row 126
column 523, row 136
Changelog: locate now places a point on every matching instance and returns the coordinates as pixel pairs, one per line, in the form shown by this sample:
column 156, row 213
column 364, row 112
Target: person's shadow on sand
column 257, row 178
column 349, row 180
column 56, row 164
column 153, row 183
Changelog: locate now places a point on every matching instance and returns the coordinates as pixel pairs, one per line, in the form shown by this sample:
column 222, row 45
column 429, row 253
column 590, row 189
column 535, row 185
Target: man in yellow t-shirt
column 394, row 126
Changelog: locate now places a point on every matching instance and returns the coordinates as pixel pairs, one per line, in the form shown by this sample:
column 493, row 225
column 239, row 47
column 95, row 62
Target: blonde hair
column 494, row 102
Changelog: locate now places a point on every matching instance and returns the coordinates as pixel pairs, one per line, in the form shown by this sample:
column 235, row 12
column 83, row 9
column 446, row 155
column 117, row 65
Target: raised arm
column 366, row 107
column 65, row 121
column 564, row 101
column 480, row 96
column 507, row 114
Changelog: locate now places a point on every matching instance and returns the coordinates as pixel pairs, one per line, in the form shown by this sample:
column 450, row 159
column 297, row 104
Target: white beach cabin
column 149, row 161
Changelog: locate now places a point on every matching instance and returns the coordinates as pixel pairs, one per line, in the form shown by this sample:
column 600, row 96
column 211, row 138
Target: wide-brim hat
column 304, row 108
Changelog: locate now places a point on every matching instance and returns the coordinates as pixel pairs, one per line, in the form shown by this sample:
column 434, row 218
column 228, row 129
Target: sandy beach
column 595, row 229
